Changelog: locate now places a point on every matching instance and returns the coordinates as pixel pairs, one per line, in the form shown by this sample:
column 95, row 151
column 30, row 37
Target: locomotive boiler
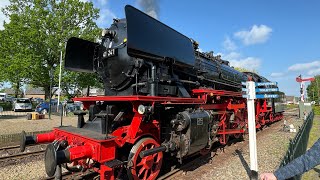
column 162, row 98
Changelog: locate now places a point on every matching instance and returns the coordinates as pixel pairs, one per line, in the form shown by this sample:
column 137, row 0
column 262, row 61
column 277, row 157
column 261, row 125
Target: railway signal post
column 303, row 107
column 251, row 95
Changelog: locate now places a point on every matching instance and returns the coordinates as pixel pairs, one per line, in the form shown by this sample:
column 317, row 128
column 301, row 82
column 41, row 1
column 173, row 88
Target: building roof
column 8, row 91
column 93, row 91
column 35, row 91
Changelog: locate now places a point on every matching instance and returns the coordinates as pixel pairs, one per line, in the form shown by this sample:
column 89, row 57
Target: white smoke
column 150, row 7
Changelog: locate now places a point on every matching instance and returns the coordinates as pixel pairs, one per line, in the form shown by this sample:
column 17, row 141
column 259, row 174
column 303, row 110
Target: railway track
column 21, row 155
column 188, row 165
column 197, row 160
column 9, row 152
column 9, row 147
column 18, row 146
column 71, row 176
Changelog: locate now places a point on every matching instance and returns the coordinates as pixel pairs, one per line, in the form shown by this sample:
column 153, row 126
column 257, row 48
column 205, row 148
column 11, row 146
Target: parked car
column 71, row 107
column 22, row 104
column 37, row 100
column 42, row 108
column 3, row 96
column 9, row 98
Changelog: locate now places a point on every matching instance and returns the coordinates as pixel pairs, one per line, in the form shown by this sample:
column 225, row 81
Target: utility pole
column 50, row 94
column 59, row 90
column 302, row 86
column 317, row 89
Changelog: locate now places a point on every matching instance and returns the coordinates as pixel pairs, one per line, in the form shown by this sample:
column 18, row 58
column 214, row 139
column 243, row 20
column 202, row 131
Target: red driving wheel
column 146, row 168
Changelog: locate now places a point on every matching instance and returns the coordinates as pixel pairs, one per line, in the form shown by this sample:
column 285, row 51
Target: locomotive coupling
column 37, row 139
column 54, row 156
column 26, row 140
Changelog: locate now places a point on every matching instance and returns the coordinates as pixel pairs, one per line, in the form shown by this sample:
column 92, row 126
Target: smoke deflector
column 149, row 38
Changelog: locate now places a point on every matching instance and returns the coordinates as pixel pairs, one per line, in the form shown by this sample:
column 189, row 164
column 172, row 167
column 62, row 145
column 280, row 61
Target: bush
column 7, row 106
column 290, row 106
column 316, row 109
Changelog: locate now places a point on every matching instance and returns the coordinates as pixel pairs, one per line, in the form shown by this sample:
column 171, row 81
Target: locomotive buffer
column 251, row 94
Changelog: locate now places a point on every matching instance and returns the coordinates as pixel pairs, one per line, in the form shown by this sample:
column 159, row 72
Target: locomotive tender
column 162, row 97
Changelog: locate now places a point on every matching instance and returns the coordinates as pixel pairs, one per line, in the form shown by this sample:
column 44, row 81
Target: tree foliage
column 37, row 32
column 241, row 69
column 313, row 89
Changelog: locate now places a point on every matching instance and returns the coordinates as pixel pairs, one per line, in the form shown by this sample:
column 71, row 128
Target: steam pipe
column 152, row 151
column 153, row 84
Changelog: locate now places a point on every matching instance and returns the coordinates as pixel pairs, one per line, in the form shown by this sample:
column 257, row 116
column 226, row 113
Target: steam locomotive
column 162, row 98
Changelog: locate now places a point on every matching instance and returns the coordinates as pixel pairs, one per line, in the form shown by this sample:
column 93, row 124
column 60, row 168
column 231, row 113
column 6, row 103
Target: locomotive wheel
column 146, row 168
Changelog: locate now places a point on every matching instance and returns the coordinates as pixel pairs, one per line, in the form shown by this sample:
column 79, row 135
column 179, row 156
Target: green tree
column 37, row 32
column 241, row 69
column 15, row 56
column 313, row 89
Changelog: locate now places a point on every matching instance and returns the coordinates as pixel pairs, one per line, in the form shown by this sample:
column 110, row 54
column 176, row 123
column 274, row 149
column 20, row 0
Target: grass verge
column 313, row 137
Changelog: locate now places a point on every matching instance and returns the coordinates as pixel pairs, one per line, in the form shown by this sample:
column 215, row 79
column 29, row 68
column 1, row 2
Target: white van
column 3, row 96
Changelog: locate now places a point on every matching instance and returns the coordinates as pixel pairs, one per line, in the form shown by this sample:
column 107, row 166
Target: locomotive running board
column 231, row 131
column 216, row 92
column 163, row 100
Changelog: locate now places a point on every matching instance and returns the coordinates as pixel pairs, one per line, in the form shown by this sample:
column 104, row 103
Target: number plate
column 111, row 53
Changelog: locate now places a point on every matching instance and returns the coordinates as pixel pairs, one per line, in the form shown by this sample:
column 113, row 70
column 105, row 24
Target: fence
column 67, row 108
column 298, row 145
column 15, row 138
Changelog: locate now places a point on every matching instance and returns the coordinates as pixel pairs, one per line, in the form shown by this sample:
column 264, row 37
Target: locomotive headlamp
column 104, row 32
column 141, row 109
column 144, row 109
column 109, row 33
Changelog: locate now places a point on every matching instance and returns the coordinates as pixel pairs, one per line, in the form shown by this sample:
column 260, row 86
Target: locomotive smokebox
column 54, row 158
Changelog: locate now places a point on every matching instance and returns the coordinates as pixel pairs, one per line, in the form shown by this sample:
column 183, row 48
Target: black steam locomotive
column 141, row 56
column 162, row 97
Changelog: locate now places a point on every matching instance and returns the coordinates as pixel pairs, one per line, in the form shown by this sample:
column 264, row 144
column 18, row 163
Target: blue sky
column 279, row 39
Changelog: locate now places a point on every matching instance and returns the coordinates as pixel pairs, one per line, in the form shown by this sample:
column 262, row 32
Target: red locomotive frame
column 103, row 149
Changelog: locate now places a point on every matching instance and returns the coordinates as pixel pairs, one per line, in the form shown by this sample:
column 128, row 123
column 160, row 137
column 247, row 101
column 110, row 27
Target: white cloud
column 3, row 3
column 236, row 60
column 276, row 75
column 257, row 34
column 314, row 72
column 106, row 15
column 102, row 2
column 228, row 44
column 304, row 66
column 231, row 56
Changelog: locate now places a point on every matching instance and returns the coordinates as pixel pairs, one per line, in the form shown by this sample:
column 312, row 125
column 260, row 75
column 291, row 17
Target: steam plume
column 151, row 7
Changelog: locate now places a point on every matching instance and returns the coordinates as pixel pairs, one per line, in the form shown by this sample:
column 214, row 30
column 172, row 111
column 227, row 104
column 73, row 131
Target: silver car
column 22, row 104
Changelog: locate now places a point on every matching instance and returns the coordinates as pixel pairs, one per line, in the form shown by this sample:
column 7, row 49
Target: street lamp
column 50, row 94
